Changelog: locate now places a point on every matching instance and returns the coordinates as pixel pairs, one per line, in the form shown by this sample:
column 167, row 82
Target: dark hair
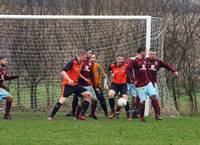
column 90, row 50
column 2, row 57
column 119, row 55
column 152, row 49
column 141, row 49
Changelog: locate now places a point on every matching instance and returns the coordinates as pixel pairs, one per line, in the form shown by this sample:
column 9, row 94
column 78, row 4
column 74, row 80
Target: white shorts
column 3, row 94
column 91, row 90
column 144, row 92
column 132, row 90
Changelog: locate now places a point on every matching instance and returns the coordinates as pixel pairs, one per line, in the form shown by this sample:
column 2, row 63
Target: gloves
column 14, row 77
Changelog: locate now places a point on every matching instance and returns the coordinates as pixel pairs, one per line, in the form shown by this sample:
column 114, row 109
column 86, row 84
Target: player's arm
column 105, row 78
column 101, row 70
column 129, row 70
column 92, row 76
column 168, row 67
column 110, row 71
column 67, row 67
column 84, row 78
column 6, row 76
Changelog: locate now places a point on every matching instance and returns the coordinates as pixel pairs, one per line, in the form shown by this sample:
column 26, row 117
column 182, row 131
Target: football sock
column 8, row 107
column 104, row 107
column 55, row 109
column 74, row 104
column 78, row 111
column 156, row 106
column 93, row 107
column 112, row 104
column 142, row 109
column 127, row 108
column 85, row 107
column 102, row 102
column 137, row 102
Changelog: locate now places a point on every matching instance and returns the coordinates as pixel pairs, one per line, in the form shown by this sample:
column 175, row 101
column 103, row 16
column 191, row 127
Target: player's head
column 141, row 51
column 120, row 59
column 89, row 53
column 93, row 58
column 82, row 56
column 152, row 53
column 3, row 60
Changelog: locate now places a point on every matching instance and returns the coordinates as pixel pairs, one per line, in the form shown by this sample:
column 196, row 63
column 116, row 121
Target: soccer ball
column 121, row 102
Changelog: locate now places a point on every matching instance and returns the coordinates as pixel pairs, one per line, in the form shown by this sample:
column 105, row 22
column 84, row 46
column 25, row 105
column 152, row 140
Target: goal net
column 39, row 46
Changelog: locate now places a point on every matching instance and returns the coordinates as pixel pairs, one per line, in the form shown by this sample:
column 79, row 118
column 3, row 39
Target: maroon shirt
column 86, row 71
column 131, row 76
column 4, row 75
column 153, row 65
column 140, row 71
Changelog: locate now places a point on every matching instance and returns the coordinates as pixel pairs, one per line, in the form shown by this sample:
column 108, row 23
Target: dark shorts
column 69, row 90
column 119, row 88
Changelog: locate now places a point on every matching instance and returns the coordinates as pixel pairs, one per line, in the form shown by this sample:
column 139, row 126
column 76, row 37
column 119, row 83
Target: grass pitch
column 33, row 129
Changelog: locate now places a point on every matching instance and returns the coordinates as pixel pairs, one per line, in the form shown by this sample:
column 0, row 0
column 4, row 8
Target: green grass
column 34, row 129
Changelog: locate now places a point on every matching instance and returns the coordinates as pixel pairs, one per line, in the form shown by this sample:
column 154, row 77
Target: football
column 122, row 102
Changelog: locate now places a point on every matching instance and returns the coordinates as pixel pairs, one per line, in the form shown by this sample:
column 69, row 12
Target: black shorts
column 69, row 90
column 119, row 88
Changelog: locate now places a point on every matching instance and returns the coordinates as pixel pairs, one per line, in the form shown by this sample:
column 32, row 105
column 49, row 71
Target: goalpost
column 39, row 45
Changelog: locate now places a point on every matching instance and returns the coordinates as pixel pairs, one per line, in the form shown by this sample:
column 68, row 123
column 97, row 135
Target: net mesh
column 38, row 49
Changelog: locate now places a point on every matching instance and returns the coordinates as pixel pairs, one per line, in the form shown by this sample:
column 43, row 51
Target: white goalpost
column 35, row 43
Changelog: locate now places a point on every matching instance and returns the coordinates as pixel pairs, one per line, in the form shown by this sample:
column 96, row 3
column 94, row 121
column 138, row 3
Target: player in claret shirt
column 144, row 86
column 4, row 94
column 153, row 66
column 86, row 81
column 118, row 84
column 132, row 91
column 70, row 85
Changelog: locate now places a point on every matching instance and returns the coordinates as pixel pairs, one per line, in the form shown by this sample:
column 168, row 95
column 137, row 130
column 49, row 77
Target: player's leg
column 9, row 100
column 102, row 101
column 87, row 97
column 118, row 108
column 111, row 94
column 127, row 107
column 143, row 96
column 4, row 95
column 136, row 110
column 135, row 100
column 156, row 107
column 66, row 91
column 79, row 107
column 93, row 103
column 74, row 106
column 153, row 93
column 93, row 110
column 123, row 91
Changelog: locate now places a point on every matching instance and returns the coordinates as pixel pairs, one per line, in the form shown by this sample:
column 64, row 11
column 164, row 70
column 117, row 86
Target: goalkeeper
column 4, row 94
column 98, row 75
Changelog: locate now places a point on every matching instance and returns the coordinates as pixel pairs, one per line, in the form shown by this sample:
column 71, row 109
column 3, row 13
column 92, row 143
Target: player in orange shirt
column 118, row 84
column 71, row 73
